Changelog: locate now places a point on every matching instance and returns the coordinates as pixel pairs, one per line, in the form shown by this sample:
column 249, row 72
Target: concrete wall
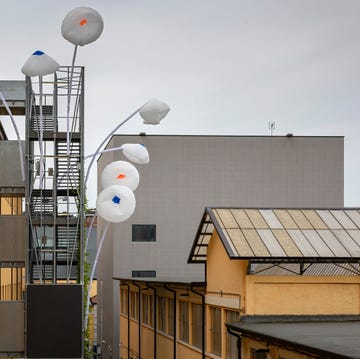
column 12, row 327
column 13, row 238
column 187, row 173
column 10, row 174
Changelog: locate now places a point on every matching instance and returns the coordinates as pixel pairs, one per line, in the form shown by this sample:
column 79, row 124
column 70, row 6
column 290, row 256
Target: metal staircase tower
column 55, row 185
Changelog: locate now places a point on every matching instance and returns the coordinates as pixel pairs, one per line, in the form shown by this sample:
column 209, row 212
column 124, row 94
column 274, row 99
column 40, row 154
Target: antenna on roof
column 271, row 127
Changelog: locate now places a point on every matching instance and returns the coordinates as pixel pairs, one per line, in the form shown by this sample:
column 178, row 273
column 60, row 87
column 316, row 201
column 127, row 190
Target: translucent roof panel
column 281, row 235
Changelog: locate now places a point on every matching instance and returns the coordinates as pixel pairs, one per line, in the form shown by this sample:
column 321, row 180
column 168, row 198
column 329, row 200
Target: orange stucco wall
column 302, row 295
column 225, row 278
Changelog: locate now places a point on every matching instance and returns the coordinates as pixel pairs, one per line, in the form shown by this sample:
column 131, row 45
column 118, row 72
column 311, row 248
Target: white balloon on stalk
column 80, row 26
column 154, row 111
column 120, row 173
column 136, row 152
column 115, row 203
column 40, row 64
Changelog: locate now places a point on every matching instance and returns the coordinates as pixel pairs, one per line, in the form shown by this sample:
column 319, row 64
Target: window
column 215, row 328
column 162, row 314
column 259, row 353
column 12, row 283
column 184, row 321
column 134, row 300
column 143, row 274
column 124, row 301
column 11, row 204
column 151, row 310
column 144, row 233
column 145, row 308
column 147, row 312
column 231, row 340
column 196, row 325
column 170, row 316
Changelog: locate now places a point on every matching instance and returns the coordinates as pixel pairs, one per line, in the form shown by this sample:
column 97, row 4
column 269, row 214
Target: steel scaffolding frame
column 55, row 185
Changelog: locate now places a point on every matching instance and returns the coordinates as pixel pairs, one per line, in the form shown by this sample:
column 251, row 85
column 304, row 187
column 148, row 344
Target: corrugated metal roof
column 284, row 235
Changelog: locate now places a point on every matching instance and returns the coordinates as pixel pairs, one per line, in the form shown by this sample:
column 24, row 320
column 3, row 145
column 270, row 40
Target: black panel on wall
column 54, row 321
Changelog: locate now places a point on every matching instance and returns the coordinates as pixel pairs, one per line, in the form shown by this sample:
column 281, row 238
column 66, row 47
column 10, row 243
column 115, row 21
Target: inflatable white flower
column 154, row 111
column 82, row 26
column 120, row 173
column 136, row 152
column 39, row 64
column 116, row 203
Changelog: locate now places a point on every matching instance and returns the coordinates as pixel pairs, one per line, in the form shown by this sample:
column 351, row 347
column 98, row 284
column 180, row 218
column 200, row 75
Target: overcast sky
column 224, row 67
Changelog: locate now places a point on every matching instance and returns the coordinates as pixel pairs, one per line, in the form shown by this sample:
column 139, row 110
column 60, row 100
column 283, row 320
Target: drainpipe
column 202, row 320
column 155, row 316
column 128, row 316
column 238, row 342
column 174, row 315
column 139, row 309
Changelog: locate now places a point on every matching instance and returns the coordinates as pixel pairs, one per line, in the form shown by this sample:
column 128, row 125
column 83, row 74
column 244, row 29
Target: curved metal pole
column 103, row 151
column 69, row 101
column 106, row 138
column 17, row 135
column 92, row 276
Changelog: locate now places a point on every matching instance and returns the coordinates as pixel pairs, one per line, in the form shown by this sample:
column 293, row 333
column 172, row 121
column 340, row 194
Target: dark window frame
column 143, row 274
column 143, row 233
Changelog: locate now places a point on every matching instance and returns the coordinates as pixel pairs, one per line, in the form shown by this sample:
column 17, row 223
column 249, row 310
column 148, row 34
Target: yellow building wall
column 123, row 336
column 165, row 345
column 186, row 352
column 225, row 278
column 302, row 295
column 274, row 351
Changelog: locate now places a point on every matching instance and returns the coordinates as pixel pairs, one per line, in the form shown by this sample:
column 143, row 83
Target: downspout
column 139, row 309
column 202, row 320
column 238, row 342
column 128, row 316
column 174, row 315
column 155, row 316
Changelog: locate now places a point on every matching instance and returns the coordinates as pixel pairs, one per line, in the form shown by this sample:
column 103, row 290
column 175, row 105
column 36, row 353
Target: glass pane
column 215, row 330
column 170, row 316
column 144, row 233
column 161, row 314
column 196, row 325
column 184, row 321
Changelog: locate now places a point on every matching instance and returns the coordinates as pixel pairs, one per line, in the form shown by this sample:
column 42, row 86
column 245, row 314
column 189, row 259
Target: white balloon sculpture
column 115, row 203
column 136, row 153
column 120, row 173
column 80, row 26
column 40, row 64
column 154, row 111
